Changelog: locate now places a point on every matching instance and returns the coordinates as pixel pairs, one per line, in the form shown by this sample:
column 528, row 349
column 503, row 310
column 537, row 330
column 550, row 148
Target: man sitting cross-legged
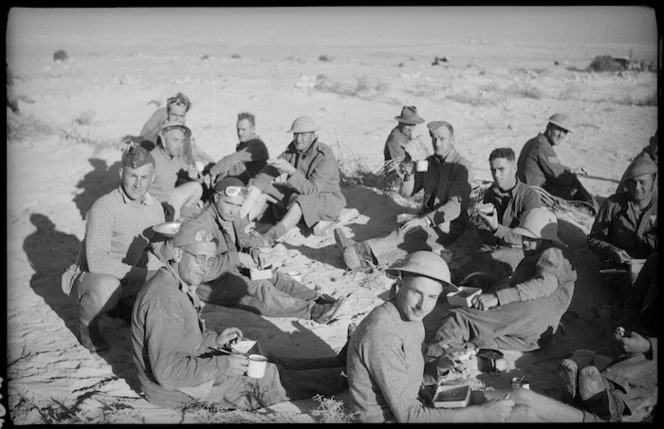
column 113, row 263
column 175, row 356
column 227, row 283
column 302, row 184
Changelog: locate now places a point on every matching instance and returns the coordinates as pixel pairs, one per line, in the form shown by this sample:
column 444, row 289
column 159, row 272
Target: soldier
column 303, row 182
column 538, row 164
column 250, row 155
column 443, row 215
column 112, row 263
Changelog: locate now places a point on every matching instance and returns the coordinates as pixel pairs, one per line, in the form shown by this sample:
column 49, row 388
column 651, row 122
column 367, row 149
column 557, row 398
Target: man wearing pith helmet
column 302, row 184
column 521, row 312
column 385, row 362
column 402, row 133
column 538, row 164
column 112, row 263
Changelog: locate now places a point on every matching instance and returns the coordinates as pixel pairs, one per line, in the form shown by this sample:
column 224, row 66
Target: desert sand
column 64, row 150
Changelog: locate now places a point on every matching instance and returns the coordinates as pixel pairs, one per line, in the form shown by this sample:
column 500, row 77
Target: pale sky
column 550, row 24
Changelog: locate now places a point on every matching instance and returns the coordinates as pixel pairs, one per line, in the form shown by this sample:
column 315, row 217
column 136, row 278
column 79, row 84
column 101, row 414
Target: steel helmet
column 303, row 124
column 561, row 120
column 540, row 223
column 172, row 124
column 424, row 263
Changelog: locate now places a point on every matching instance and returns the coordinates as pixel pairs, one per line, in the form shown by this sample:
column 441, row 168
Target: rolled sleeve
column 548, row 271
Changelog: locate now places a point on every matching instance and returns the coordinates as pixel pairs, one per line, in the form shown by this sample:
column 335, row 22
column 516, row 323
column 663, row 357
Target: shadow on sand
column 51, row 252
column 100, row 181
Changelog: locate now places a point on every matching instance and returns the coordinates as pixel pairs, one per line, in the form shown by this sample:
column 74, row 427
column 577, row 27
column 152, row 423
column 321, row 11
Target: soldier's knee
column 102, row 286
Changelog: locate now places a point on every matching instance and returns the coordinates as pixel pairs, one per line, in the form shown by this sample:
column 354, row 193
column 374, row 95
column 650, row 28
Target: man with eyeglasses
column 112, row 262
column 538, row 164
column 227, row 282
column 179, row 361
column 175, row 111
column 302, row 184
column 250, row 155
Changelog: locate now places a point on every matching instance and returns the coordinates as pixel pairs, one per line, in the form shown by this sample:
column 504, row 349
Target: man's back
column 529, row 170
column 394, row 145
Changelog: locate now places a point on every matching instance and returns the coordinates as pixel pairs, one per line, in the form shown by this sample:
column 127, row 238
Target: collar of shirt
column 453, row 156
column 305, row 153
column 160, row 150
column 242, row 145
column 188, row 290
column 509, row 192
column 147, row 199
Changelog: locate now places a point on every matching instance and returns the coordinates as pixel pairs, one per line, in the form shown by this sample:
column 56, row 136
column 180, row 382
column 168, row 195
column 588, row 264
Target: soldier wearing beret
column 443, row 216
column 112, row 264
column 538, row 164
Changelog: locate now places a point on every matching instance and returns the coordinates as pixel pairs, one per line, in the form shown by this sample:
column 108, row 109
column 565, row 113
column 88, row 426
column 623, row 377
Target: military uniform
column 538, row 165
column 501, row 251
column 249, row 159
column 314, row 185
column 446, row 185
column 225, row 284
column 394, row 146
column 530, row 306
column 171, row 349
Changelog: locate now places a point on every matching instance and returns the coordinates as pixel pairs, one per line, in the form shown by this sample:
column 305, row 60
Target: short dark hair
column 502, row 152
column 248, row 116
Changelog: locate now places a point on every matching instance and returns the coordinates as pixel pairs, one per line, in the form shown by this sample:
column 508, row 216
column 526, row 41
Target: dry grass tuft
column 23, row 128
column 211, row 413
column 604, row 63
column 361, row 87
column 331, row 411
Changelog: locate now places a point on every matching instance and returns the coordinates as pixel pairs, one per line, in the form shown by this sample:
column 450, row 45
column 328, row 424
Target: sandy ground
column 494, row 95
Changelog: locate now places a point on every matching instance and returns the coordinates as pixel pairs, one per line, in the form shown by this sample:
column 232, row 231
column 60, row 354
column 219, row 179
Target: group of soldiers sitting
column 156, row 283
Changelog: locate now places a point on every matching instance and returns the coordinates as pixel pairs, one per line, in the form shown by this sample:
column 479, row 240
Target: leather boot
column 597, row 394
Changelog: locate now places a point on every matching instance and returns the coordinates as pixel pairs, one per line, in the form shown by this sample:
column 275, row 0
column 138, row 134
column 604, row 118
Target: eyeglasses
column 201, row 259
column 233, row 191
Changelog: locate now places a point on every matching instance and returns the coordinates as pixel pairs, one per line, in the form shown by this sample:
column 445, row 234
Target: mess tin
column 490, row 360
column 451, row 396
column 464, row 296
